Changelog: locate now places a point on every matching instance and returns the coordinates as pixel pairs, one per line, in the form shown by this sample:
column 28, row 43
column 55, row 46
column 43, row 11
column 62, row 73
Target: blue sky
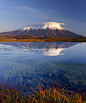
column 15, row 14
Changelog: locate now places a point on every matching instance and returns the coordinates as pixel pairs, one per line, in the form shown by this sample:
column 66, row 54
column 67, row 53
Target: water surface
column 60, row 64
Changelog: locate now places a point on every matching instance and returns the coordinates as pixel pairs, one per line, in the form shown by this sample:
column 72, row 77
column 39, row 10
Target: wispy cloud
column 29, row 10
column 26, row 11
column 22, row 9
column 48, row 15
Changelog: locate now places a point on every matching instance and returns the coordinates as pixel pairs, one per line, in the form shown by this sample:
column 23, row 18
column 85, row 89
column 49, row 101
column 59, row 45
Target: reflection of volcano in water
column 41, row 45
column 47, row 48
column 53, row 52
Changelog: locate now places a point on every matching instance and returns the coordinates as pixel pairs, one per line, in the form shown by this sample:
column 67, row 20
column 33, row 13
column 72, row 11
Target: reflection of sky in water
column 76, row 53
column 23, row 63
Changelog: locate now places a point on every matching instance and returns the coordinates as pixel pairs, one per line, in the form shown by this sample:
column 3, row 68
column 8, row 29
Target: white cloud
column 45, row 25
column 53, row 25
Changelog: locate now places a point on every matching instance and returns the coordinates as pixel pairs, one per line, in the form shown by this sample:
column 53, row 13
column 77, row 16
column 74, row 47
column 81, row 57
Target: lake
column 59, row 64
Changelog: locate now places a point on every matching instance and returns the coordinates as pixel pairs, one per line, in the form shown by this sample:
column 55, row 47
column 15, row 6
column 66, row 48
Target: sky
column 16, row 14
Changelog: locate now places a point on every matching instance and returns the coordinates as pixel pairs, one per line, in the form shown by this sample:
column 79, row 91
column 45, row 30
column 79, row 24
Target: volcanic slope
column 45, row 29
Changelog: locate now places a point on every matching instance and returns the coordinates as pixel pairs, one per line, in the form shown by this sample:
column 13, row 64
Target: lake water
column 27, row 64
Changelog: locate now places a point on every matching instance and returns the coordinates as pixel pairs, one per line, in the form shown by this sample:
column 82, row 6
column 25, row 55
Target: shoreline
column 41, row 39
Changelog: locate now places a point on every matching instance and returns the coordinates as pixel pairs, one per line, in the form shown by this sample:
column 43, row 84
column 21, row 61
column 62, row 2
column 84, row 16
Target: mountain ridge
column 53, row 29
column 41, row 33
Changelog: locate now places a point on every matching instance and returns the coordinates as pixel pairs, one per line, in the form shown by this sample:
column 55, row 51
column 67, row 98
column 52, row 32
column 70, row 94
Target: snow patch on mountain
column 45, row 25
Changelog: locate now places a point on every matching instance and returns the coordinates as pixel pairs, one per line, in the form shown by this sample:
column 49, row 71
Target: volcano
column 45, row 29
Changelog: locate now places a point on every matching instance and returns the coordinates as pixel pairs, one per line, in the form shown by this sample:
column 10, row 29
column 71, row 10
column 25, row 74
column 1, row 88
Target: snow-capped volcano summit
column 53, row 29
column 46, row 25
